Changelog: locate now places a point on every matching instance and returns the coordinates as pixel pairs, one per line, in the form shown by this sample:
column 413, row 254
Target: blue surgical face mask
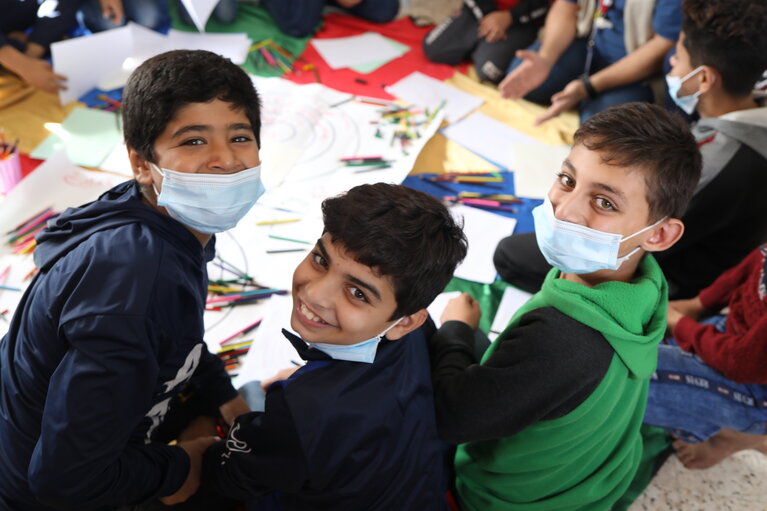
column 575, row 248
column 209, row 203
column 364, row 351
column 686, row 103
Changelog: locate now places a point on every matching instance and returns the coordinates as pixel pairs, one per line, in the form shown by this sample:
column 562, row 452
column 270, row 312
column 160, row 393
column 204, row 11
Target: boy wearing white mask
column 550, row 418
column 720, row 55
column 354, row 427
column 111, row 328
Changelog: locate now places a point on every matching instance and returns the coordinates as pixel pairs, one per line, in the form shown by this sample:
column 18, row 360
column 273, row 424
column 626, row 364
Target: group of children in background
column 104, row 361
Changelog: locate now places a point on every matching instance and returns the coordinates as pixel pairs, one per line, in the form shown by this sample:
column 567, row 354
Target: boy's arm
column 86, row 455
column 718, row 294
column 50, row 27
column 35, row 72
column 741, row 358
column 213, row 383
column 544, row 369
column 263, row 452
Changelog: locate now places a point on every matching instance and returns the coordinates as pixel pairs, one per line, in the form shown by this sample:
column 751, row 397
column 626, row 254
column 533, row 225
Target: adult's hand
column 532, row 72
column 566, row 99
column 493, row 26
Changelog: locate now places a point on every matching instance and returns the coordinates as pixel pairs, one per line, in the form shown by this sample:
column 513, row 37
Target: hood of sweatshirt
column 720, row 138
column 630, row 315
column 116, row 207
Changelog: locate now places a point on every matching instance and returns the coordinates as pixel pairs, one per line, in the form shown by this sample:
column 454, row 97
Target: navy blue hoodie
column 104, row 336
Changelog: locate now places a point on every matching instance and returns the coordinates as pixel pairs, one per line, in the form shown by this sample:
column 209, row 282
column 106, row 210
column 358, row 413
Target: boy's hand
column 672, row 318
column 462, row 308
column 532, row 72
column 691, row 307
column 112, row 10
column 493, row 27
column 284, row 374
column 233, row 409
column 195, row 449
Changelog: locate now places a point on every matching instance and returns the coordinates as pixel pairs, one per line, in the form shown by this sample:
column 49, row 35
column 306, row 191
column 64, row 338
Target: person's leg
column 377, row 11
column 451, row 41
column 718, row 447
column 697, row 403
column 226, row 11
column 152, row 14
column 617, row 96
column 492, row 59
column 297, row 18
column 519, row 261
column 569, row 67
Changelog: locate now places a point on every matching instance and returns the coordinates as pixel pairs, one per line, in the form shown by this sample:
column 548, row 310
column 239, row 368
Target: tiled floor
column 739, row 483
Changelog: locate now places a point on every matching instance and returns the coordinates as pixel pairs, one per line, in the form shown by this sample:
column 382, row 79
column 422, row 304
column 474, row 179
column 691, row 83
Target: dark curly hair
column 400, row 233
column 162, row 85
column 655, row 141
column 731, row 37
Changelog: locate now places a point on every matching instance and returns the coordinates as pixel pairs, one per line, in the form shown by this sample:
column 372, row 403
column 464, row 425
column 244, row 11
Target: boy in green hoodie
column 550, row 417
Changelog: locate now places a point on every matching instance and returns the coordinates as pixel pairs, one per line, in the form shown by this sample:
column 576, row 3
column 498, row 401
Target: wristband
column 590, row 90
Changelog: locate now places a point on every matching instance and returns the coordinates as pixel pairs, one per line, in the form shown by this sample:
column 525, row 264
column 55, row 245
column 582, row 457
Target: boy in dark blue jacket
column 111, row 328
column 354, row 428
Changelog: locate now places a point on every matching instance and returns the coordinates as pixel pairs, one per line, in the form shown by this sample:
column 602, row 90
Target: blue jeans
column 152, row 14
column 694, row 401
column 299, row 18
column 571, row 65
column 225, row 12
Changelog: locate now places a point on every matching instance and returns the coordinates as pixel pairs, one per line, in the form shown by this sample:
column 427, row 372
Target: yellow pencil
column 281, row 221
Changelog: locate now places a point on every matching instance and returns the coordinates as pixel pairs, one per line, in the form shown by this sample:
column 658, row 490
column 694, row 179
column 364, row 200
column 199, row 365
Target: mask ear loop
column 383, row 334
column 159, row 171
column 625, row 258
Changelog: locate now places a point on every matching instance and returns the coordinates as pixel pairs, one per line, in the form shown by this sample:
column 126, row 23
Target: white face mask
column 686, row 103
column 576, row 248
column 209, row 203
column 364, row 351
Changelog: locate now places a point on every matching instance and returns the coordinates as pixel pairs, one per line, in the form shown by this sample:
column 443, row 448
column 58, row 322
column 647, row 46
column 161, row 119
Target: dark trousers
column 299, row 18
column 455, row 40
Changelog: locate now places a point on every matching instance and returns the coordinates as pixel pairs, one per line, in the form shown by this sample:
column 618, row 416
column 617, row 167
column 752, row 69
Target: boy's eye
column 241, row 138
column 603, row 203
column 319, row 260
column 566, row 180
column 193, row 141
column 357, row 294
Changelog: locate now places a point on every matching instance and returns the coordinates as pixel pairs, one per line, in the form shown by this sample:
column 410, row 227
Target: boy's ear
column 665, row 236
column 709, row 78
column 141, row 170
column 407, row 324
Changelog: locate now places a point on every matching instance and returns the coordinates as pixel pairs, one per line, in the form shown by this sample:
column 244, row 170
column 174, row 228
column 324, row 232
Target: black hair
column 659, row 143
column 163, row 84
column 731, row 37
column 400, row 233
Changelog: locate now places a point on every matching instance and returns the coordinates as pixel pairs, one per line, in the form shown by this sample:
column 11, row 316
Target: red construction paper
column 347, row 80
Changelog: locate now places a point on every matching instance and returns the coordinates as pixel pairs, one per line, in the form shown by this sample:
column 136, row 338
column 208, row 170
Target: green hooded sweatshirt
column 586, row 459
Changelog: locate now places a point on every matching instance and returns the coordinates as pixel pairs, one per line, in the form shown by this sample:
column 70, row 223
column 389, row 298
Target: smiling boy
column 550, row 418
column 354, row 427
column 111, row 328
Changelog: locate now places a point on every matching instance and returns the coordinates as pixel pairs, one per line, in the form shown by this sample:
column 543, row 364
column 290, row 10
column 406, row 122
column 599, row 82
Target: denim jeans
column 571, row 65
column 694, row 401
column 152, row 14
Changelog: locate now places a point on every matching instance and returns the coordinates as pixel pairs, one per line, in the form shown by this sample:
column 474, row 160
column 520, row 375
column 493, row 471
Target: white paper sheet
column 355, row 50
column 270, row 351
column 106, row 59
column 483, row 230
column 200, row 11
column 536, row 167
column 511, row 300
column 118, row 162
column 420, row 89
column 437, row 307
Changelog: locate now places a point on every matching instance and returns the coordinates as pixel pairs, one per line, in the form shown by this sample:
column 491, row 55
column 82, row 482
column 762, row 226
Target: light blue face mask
column 364, row 351
column 209, row 203
column 575, row 248
column 686, row 103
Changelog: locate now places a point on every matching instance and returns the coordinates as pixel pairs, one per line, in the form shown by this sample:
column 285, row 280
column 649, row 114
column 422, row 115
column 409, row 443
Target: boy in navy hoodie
column 111, row 328
column 354, row 428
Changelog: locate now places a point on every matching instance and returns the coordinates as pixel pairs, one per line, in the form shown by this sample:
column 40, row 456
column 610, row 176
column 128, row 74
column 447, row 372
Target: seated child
column 354, row 428
column 720, row 54
column 715, row 403
column 27, row 29
column 550, row 418
column 300, row 18
column 489, row 32
column 111, row 329
column 100, row 15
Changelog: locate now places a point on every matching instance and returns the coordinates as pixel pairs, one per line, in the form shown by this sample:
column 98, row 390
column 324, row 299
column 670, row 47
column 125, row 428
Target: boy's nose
column 222, row 158
column 318, row 294
column 568, row 208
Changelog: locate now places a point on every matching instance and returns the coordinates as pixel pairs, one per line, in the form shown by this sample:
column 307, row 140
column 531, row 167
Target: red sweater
column 741, row 352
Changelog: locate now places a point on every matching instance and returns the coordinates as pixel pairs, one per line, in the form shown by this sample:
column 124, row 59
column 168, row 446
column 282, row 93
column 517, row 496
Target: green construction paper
column 93, row 134
column 369, row 67
column 259, row 25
